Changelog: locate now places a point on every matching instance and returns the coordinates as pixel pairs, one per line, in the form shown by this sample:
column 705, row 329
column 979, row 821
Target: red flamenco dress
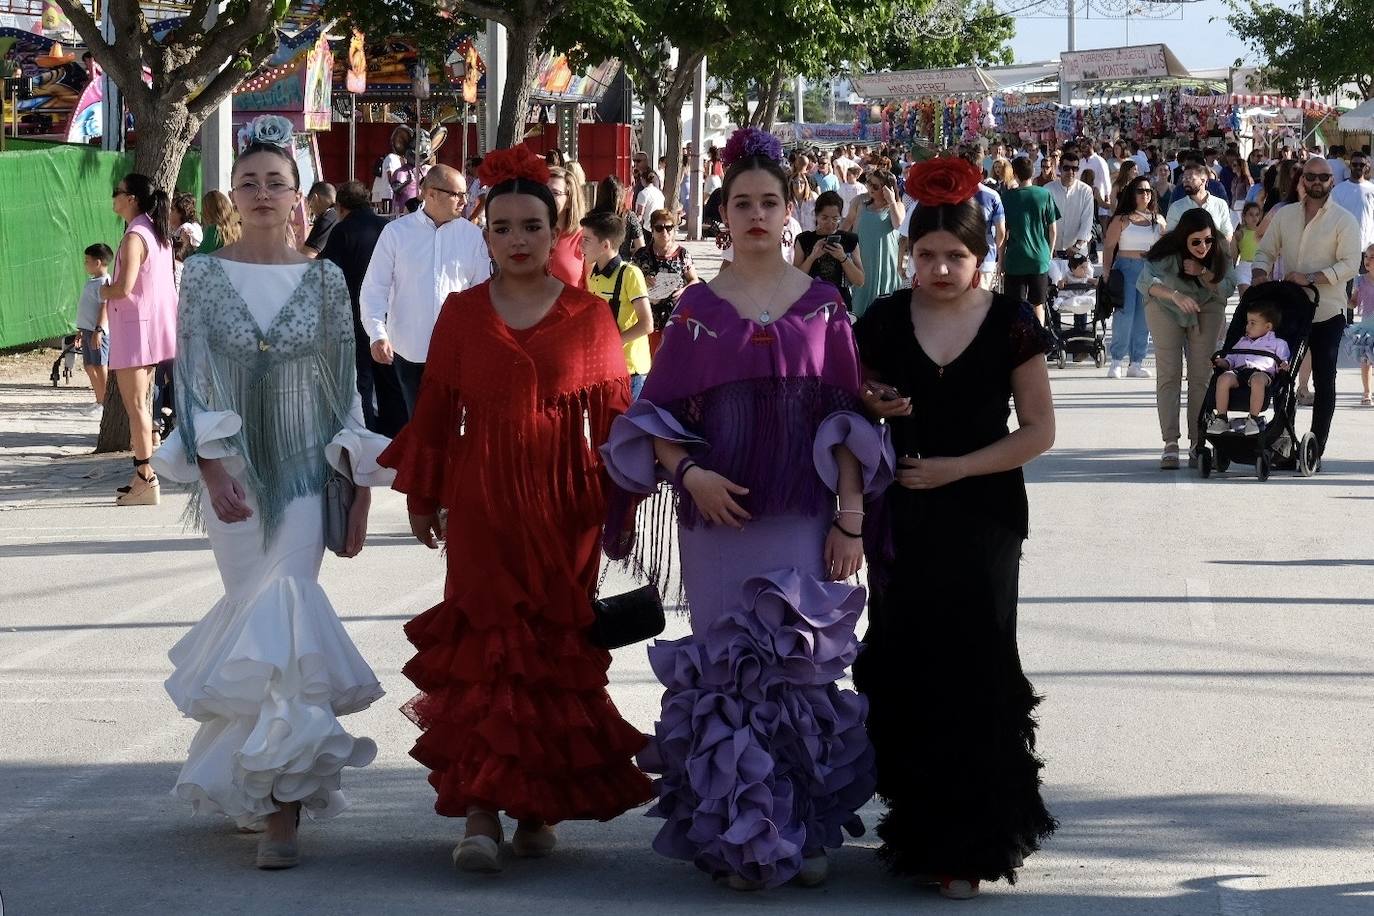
column 513, row 698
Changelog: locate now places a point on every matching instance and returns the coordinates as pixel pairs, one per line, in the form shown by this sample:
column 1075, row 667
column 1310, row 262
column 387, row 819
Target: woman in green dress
column 877, row 217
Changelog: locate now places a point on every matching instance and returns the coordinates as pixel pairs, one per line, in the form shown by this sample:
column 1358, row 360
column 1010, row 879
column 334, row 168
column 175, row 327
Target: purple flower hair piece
column 750, row 141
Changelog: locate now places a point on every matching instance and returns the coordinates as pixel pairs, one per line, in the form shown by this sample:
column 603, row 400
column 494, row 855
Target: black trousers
column 1325, row 344
column 384, row 407
column 409, row 375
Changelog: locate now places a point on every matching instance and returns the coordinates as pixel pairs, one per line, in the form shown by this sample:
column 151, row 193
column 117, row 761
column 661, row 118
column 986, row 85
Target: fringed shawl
column 756, row 396
column 505, row 432
column 292, row 383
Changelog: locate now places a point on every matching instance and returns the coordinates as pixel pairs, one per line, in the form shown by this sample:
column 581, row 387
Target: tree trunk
column 522, row 56
column 670, row 108
column 770, row 113
column 164, row 135
column 114, row 422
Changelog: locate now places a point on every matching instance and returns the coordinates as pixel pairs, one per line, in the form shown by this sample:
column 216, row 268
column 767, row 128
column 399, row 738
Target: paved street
column 1206, row 649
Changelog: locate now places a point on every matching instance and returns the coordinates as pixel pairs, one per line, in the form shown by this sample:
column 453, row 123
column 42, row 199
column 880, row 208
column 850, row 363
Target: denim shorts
column 90, row 356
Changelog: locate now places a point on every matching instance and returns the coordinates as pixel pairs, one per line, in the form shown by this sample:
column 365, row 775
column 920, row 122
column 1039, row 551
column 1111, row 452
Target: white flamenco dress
column 269, row 669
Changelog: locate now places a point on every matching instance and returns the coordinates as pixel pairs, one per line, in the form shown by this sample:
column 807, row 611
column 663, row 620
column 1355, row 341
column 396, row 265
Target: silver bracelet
column 849, row 512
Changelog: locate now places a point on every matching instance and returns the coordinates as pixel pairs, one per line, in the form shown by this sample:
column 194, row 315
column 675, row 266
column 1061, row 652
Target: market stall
column 940, row 107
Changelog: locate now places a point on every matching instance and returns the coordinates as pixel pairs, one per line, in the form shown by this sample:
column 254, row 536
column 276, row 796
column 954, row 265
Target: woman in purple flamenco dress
column 752, row 411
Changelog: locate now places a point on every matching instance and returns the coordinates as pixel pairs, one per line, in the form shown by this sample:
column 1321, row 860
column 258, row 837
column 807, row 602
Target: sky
column 1196, row 42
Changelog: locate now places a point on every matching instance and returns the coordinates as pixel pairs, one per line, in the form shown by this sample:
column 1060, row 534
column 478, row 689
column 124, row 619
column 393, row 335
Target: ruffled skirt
column 950, row 710
column 1358, row 341
column 514, row 707
column 762, row 759
column 267, row 672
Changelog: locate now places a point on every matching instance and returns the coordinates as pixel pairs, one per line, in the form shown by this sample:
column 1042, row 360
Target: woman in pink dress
column 142, row 307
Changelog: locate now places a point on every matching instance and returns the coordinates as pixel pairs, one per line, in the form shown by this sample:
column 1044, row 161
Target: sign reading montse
column 1141, row 61
column 910, row 84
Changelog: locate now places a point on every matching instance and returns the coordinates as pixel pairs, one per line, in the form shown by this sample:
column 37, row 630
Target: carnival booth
column 940, row 107
column 44, row 82
column 295, row 84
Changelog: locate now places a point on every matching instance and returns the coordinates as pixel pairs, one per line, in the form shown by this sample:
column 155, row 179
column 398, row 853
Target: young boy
column 90, row 322
column 1250, row 370
column 622, row 285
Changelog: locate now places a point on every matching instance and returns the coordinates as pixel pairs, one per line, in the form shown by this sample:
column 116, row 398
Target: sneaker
column 1138, row 371
column 95, row 411
column 1116, row 371
column 1218, row 425
column 1251, row 427
column 1168, row 460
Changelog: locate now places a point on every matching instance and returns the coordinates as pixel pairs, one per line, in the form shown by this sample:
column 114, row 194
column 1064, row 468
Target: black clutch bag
column 623, row 620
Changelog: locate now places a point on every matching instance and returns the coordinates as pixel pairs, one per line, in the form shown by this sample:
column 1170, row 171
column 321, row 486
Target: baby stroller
column 66, row 360
column 1274, row 446
column 1086, row 331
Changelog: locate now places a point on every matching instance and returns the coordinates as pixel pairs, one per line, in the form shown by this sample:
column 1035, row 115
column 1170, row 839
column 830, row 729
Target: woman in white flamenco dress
column 267, row 403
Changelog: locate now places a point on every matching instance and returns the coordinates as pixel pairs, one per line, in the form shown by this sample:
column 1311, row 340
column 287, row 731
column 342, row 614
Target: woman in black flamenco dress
column 950, row 710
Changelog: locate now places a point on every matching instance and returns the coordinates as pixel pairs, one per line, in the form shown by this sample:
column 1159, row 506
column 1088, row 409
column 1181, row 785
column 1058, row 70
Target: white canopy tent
column 1359, row 118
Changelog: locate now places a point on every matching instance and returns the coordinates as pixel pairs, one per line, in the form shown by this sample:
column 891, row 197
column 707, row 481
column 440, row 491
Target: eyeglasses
column 118, row 192
column 455, row 195
column 558, row 193
column 1319, row 177
column 1205, row 243
column 273, row 188
column 663, row 228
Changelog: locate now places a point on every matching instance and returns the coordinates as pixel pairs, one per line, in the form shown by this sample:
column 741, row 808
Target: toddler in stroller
column 1253, row 363
column 1266, row 338
column 1076, row 296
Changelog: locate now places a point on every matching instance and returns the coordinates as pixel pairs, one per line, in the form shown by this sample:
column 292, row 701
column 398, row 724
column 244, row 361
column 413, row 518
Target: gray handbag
column 339, row 493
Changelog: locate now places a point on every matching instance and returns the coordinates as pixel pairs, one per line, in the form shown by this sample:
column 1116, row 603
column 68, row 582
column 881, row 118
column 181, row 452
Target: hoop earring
column 723, row 240
column 494, row 269
column 787, row 237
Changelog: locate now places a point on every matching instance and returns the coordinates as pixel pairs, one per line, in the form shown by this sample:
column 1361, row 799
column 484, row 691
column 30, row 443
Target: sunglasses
column 664, row 228
column 1316, row 176
column 1145, row 191
column 1205, row 243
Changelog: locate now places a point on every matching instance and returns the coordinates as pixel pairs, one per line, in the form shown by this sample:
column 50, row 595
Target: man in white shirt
column 1102, row 176
column 1357, row 196
column 1319, row 242
column 1335, row 157
column 420, row 258
column 1074, row 198
column 1142, row 160
column 1196, row 195
column 651, row 198
column 851, row 187
column 841, row 162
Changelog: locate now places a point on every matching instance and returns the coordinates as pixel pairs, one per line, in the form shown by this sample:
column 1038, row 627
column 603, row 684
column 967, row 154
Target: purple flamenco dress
column 763, row 761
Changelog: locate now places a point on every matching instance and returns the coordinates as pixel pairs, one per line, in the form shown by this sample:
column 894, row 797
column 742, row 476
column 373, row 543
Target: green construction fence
column 54, row 201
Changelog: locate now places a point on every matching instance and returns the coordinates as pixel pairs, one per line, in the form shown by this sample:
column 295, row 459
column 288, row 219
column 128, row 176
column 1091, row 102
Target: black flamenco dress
column 950, row 710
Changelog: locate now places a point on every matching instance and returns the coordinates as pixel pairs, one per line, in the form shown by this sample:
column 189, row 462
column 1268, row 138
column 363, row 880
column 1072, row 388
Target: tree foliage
column 1326, row 49
column 982, row 40
column 430, row 24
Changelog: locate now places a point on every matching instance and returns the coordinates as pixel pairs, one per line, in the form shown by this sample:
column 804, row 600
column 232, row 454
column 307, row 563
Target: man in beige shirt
column 1319, row 242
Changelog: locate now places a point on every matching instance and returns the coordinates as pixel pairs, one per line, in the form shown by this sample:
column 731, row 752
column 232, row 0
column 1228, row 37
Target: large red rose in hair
column 950, row 180
column 518, row 162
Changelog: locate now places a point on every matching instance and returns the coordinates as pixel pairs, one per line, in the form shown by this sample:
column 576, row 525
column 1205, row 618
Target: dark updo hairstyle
column 964, row 221
column 610, row 196
column 152, row 203
column 532, row 188
column 275, row 151
column 756, row 163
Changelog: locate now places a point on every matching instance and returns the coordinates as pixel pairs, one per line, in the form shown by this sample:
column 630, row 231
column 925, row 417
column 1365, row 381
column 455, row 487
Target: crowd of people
column 837, row 397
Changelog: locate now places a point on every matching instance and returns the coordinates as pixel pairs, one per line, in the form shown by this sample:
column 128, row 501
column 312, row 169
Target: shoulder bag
column 625, row 619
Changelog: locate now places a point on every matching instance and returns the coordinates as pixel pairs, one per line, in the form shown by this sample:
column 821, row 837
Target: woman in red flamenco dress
column 513, row 703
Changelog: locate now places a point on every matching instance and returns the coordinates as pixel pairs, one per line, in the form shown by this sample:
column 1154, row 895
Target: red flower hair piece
column 508, row 164
column 948, row 180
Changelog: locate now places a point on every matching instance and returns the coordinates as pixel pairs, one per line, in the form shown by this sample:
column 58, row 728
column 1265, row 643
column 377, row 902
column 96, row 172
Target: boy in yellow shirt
column 622, row 285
